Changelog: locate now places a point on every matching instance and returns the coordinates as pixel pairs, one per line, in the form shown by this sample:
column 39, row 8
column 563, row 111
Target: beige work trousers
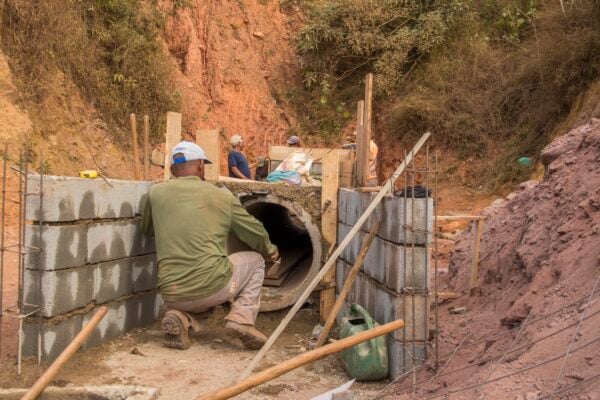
column 243, row 290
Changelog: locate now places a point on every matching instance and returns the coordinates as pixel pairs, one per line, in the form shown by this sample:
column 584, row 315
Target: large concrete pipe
column 298, row 238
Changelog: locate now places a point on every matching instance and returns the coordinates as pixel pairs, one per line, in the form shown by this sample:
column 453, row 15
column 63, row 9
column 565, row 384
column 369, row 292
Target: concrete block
column 61, row 290
column 339, row 276
column 117, row 239
column 354, row 206
column 115, row 198
column 142, row 310
column 403, row 356
column 145, row 273
column 414, row 310
column 401, row 216
column 111, row 326
column 63, row 246
column 55, row 335
column 374, row 264
column 113, row 279
column 343, row 204
column 406, row 267
column 142, row 191
column 383, row 312
column 64, row 198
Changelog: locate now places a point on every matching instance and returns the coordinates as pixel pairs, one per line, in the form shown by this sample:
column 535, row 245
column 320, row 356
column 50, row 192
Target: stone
column 64, row 246
column 457, row 310
column 345, row 395
column 61, row 290
column 259, row 35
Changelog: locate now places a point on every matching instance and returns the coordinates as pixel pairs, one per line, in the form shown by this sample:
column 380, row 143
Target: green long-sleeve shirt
column 191, row 220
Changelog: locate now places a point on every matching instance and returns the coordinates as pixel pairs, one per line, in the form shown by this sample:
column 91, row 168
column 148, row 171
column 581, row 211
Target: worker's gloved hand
column 274, row 256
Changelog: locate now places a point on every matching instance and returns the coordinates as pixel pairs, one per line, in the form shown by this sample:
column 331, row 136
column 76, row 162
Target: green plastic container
column 366, row 361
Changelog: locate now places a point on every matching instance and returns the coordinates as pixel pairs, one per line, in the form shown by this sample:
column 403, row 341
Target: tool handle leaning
column 47, row 377
column 302, row 359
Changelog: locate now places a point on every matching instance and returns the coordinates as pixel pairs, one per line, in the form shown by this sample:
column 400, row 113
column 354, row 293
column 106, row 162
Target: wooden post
column 385, row 189
column 329, row 207
column 172, row 137
column 146, row 150
column 134, row 141
column 300, row 360
column 362, row 147
column 43, row 381
column 476, row 246
column 209, row 141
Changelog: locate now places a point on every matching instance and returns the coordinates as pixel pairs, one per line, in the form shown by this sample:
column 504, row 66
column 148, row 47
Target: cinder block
column 414, row 310
column 342, row 204
column 116, row 198
column 117, row 239
column 354, row 206
column 403, row 223
column 111, row 326
column 113, row 279
column 61, row 291
column 143, row 189
column 142, row 310
column 55, row 335
column 339, row 276
column 406, row 267
column 374, row 264
column 64, row 198
column 403, row 356
column 145, row 273
column 64, row 246
column 383, row 312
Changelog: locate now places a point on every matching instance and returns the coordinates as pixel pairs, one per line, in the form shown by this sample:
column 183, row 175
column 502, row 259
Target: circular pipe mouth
column 291, row 229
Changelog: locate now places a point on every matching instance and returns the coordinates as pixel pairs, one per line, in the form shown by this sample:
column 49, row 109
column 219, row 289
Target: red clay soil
column 540, row 253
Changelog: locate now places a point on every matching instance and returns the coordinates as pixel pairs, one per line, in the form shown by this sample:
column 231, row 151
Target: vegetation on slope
column 109, row 48
column 488, row 77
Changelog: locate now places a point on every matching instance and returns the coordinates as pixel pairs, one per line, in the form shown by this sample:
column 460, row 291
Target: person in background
column 373, row 151
column 191, row 221
column 236, row 161
column 293, row 141
column 262, row 169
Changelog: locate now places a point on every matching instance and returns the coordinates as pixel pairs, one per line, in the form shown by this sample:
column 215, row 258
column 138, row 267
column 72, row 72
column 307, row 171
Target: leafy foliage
column 345, row 38
column 109, row 48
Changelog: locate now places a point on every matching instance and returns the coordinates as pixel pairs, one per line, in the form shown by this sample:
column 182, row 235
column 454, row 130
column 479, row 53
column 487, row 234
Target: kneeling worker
column 191, row 220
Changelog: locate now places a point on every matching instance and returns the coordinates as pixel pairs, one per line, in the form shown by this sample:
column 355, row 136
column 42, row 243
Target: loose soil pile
column 540, row 259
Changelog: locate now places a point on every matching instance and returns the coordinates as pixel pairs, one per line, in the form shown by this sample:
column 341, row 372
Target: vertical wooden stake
column 173, row 136
column 134, row 141
column 476, row 246
column 362, row 148
column 329, row 207
column 145, row 151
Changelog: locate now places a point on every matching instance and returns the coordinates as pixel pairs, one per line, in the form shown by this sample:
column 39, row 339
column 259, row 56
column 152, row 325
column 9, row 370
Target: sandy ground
column 213, row 361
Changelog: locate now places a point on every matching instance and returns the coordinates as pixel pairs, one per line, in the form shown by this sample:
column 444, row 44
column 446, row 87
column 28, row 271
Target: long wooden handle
column 134, row 141
column 347, row 285
column 298, row 361
column 385, row 189
column 43, row 381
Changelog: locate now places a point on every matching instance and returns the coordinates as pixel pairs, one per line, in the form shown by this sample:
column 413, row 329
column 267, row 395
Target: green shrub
column 111, row 50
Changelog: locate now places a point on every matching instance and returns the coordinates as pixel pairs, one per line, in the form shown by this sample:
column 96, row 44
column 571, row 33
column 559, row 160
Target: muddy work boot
column 176, row 326
column 248, row 334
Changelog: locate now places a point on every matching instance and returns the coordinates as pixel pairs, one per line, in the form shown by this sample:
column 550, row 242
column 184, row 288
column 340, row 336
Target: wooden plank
column 476, row 246
column 172, row 137
column 329, row 215
column 209, row 141
column 387, row 188
column 146, row 149
column 134, row 143
column 346, row 173
column 459, row 217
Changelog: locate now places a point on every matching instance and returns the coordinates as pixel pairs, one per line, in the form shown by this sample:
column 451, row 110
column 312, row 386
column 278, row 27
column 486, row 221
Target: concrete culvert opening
column 299, row 243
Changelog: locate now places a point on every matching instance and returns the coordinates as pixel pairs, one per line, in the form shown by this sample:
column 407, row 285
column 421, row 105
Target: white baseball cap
column 188, row 151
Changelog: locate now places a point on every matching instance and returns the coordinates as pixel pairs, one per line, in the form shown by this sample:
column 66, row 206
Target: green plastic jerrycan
column 366, row 361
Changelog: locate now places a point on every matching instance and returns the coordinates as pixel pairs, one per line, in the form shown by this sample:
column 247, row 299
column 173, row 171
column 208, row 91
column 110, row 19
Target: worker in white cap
column 236, row 161
column 293, row 141
column 191, row 221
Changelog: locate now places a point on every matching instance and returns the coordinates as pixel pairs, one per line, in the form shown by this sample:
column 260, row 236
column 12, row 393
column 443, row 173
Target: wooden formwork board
column 208, row 139
column 172, row 137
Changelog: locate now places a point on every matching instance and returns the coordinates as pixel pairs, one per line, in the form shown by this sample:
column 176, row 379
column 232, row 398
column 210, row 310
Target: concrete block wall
column 92, row 253
column 393, row 280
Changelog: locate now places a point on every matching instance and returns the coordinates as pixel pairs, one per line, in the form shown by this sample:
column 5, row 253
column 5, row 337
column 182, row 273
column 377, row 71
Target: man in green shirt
column 191, row 220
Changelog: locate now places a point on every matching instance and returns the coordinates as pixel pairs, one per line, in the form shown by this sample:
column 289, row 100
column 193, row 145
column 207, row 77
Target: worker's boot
column 248, row 334
column 176, row 325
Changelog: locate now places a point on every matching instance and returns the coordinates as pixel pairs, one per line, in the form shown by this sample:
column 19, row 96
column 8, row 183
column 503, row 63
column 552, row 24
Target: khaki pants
column 243, row 290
